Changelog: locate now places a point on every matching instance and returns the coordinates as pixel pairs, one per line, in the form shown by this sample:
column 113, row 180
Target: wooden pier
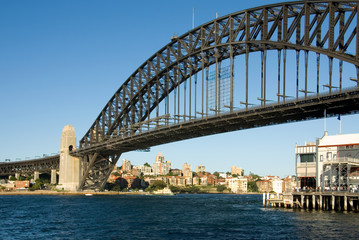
column 340, row 201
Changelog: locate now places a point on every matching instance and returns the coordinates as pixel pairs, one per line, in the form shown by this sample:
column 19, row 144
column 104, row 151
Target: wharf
column 326, row 200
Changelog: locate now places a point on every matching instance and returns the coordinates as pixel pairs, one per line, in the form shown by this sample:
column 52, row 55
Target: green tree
column 12, row 178
column 158, row 184
column 39, row 184
column 147, row 165
column 116, row 174
column 252, row 186
column 221, row 188
column 216, row 174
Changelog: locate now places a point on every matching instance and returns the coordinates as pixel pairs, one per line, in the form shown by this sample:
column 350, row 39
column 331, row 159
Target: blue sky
column 61, row 61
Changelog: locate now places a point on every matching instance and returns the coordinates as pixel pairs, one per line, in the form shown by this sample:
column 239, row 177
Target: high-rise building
column 161, row 167
column 200, row 168
column 237, row 171
column 126, row 165
column 187, row 171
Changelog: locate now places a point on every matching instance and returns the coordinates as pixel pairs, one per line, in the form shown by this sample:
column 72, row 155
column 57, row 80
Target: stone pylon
column 69, row 175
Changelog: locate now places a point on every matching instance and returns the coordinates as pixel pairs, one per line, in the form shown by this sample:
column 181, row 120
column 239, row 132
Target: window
column 321, row 158
column 329, row 156
column 307, row 158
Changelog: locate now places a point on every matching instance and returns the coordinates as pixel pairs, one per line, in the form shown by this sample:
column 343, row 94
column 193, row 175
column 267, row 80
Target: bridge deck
column 313, row 108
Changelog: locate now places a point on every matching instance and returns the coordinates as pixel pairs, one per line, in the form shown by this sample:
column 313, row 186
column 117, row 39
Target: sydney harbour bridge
column 267, row 65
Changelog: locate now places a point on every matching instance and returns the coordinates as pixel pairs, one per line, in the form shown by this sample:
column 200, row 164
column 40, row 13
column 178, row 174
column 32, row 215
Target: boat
column 165, row 191
column 88, row 194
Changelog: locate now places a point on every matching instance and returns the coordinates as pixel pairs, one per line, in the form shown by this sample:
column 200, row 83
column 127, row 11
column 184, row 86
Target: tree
column 216, row 174
column 158, row 184
column 39, row 184
column 12, row 178
column 221, row 188
column 147, row 165
column 116, row 174
column 252, row 186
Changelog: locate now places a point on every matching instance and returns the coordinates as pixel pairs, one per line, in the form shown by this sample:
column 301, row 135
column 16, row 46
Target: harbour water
column 166, row 217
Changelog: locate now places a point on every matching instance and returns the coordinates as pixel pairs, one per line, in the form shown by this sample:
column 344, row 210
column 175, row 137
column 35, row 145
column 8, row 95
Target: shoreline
column 41, row 192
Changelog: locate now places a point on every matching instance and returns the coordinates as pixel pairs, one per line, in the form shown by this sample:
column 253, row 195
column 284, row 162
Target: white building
column 237, row 185
column 146, row 170
column 334, row 159
column 277, row 185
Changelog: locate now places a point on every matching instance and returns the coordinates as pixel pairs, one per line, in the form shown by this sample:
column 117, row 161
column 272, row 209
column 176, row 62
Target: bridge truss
column 28, row 167
column 191, row 87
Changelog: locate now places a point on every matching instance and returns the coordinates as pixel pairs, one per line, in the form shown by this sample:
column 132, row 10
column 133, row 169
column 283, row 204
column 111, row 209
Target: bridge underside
column 310, row 108
column 45, row 164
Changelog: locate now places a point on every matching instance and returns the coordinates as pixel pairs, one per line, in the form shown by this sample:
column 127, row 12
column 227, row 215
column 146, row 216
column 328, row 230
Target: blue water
column 166, row 217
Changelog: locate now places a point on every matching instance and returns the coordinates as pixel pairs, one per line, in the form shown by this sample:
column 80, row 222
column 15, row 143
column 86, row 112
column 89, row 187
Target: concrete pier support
column 320, row 202
column 302, row 200
column 36, row 175
column 313, row 201
column 333, row 202
column 307, row 202
column 69, row 166
column 264, row 199
column 351, row 204
column 345, row 203
column 17, row 176
column 53, row 176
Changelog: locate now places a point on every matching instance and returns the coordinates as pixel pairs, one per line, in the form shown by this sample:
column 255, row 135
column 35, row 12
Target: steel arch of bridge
column 322, row 27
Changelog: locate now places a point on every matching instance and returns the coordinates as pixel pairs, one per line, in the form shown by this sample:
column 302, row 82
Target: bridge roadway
column 41, row 165
column 346, row 102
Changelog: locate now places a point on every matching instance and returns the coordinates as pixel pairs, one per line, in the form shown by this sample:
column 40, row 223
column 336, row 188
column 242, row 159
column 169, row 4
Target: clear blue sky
column 61, row 61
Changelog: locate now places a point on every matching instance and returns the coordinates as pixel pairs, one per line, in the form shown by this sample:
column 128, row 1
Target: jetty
column 326, row 200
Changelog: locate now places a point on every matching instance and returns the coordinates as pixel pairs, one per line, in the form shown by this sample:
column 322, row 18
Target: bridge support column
column 36, row 175
column 69, row 178
column 17, row 176
column 53, row 176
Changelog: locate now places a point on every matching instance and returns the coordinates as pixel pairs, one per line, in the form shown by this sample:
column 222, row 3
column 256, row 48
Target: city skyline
column 62, row 61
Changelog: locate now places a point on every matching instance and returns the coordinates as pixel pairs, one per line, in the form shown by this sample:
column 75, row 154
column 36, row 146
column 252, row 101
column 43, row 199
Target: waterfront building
column 195, row 180
column 200, row 168
column 264, row 185
column 237, row 184
column 277, row 185
column 237, row 171
column 126, row 165
column 22, row 184
column 289, row 184
column 161, row 167
column 203, row 181
column 306, row 165
column 334, row 160
column 189, row 181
